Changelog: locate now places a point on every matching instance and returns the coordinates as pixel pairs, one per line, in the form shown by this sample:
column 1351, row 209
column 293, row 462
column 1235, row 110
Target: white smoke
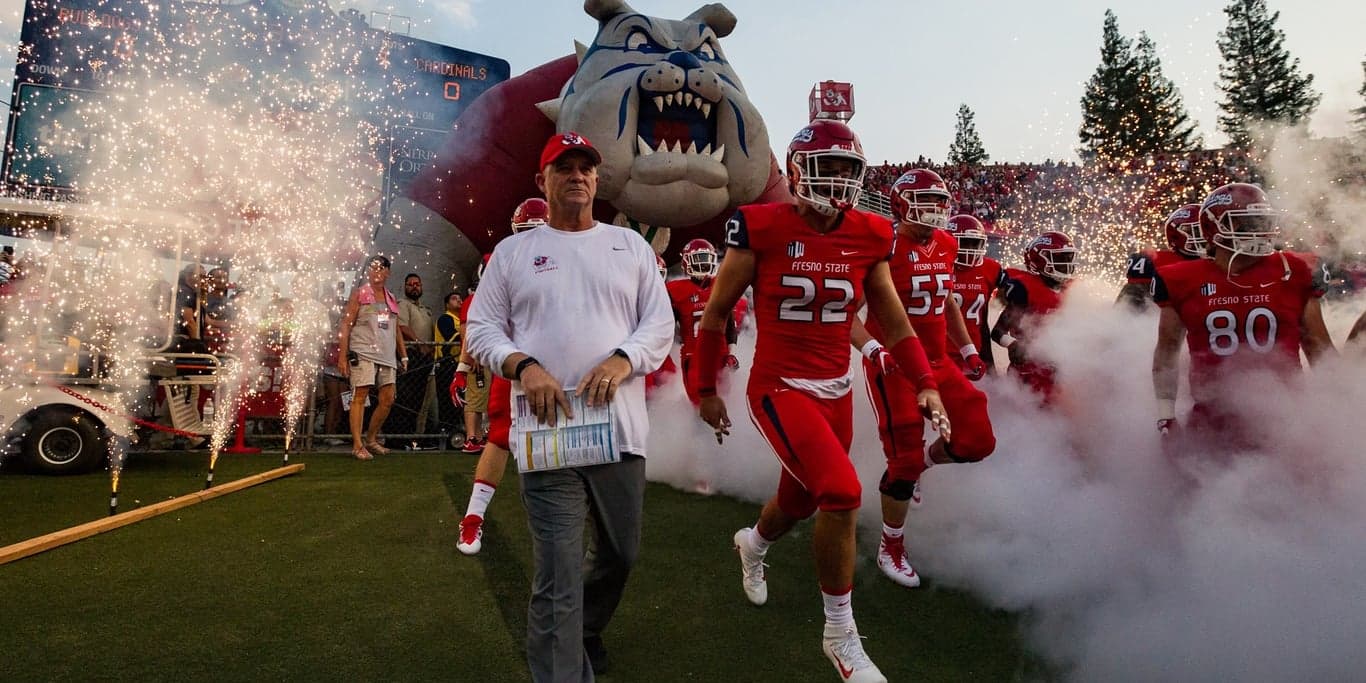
column 1126, row 565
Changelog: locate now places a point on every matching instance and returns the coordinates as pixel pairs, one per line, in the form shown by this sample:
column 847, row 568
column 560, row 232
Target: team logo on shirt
column 1207, row 289
column 543, row 263
column 795, row 250
column 912, row 256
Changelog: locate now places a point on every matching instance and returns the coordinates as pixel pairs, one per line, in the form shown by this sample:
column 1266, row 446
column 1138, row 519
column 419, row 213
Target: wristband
column 870, row 349
column 711, row 346
column 1006, row 340
column 913, row 363
column 522, row 365
column 1166, row 409
column 969, row 349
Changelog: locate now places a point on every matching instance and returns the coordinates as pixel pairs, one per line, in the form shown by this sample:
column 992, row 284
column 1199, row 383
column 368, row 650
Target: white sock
column 479, row 498
column 892, row 532
column 839, row 609
column 757, row 540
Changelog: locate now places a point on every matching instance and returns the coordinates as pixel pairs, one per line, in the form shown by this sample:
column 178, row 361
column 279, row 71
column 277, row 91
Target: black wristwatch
column 522, row 365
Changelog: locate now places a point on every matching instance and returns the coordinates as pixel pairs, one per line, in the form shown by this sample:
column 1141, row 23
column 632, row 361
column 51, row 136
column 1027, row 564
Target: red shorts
column 902, row 428
column 811, row 438
column 500, row 412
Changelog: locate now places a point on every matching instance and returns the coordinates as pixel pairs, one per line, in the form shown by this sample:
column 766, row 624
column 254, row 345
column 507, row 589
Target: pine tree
column 1107, row 118
column 1162, row 122
column 967, row 146
column 1260, row 80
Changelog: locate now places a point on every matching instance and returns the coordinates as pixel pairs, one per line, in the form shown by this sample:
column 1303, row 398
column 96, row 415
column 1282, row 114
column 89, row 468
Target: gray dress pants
column 573, row 592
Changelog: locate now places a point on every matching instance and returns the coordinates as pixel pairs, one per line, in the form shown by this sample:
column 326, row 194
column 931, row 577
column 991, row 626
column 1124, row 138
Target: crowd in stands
column 1000, row 193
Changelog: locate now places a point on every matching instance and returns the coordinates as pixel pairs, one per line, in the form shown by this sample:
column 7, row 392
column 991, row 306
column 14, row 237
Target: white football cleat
column 844, row 647
column 471, row 535
column 915, row 495
column 892, row 560
column 752, row 566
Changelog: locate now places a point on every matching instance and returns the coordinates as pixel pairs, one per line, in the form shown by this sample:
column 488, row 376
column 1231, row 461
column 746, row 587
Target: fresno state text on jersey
column 807, row 285
column 972, row 289
column 1247, row 320
column 923, row 275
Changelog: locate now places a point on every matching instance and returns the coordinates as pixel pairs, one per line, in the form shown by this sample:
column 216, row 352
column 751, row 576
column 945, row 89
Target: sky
column 1021, row 67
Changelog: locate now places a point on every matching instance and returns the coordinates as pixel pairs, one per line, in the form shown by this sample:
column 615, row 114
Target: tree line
column 1131, row 109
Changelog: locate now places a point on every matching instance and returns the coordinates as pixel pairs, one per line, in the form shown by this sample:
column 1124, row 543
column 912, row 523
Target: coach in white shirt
column 576, row 304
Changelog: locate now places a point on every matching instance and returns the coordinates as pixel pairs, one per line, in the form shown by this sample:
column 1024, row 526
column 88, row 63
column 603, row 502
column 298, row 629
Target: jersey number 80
column 1224, row 337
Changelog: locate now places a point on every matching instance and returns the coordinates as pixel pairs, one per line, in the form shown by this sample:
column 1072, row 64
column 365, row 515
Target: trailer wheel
column 64, row 441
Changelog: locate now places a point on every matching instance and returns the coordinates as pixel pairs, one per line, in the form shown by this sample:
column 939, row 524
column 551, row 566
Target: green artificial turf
column 348, row 571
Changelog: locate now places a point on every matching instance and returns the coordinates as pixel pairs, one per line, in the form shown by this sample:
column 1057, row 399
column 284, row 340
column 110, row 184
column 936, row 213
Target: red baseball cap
column 567, row 141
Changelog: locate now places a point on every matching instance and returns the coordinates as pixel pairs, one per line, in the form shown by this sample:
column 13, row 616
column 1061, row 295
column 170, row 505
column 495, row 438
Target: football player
column 493, row 458
column 922, row 269
column 976, row 277
column 1186, row 241
column 1250, row 308
column 688, row 297
column 811, row 263
column 1030, row 295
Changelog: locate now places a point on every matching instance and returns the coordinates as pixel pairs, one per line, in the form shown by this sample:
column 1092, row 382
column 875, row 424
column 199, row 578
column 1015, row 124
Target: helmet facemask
column 1195, row 239
column 1059, row 264
column 972, row 249
column 827, row 192
column 701, row 263
column 1248, row 232
column 929, row 208
column 518, row 227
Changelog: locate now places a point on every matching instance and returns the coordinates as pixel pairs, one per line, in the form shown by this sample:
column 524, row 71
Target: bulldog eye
column 639, row 40
column 706, row 51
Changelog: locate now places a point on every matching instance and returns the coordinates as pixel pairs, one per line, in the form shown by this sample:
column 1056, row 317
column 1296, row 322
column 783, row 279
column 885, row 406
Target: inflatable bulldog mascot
column 682, row 145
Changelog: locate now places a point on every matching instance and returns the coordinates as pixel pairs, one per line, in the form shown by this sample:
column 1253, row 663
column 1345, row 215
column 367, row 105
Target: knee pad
column 896, row 489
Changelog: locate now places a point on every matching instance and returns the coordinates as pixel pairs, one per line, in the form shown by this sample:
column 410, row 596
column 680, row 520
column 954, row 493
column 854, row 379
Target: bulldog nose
column 685, row 60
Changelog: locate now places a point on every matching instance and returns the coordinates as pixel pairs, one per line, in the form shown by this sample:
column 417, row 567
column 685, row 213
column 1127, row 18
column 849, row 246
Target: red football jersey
column 923, row 275
column 1250, row 319
column 1029, row 291
column 688, row 299
column 972, row 289
column 806, row 287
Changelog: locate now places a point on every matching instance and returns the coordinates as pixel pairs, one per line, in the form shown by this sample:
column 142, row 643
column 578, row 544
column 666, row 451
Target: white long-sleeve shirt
column 569, row 299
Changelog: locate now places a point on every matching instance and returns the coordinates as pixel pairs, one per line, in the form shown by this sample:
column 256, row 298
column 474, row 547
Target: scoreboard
column 273, row 55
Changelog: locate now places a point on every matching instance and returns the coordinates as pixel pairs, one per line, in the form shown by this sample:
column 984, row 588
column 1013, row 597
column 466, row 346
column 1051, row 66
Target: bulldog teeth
column 643, row 147
column 659, row 102
column 663, row 146
column 706, row 151
column 692, row 148
column 706, row 109
column 687, row 99
column 669, row 99
column 720, row 153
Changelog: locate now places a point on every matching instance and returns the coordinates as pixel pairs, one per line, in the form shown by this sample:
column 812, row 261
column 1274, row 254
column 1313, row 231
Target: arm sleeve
column 653, row 337
column 1015, row 293
column 488, row 331
column 1139, row 269
column 737, row 232
column 1161, row 296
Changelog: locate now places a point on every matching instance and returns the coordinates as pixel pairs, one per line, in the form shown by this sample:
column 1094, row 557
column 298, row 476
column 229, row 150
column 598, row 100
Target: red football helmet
column 1052, row 256
column 699, row 259
column 1239, row 217
column 529, row 214
column 972, row 240
column 920, row 196
column 808, row 172
column 1183, row 232
column 663, row 267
